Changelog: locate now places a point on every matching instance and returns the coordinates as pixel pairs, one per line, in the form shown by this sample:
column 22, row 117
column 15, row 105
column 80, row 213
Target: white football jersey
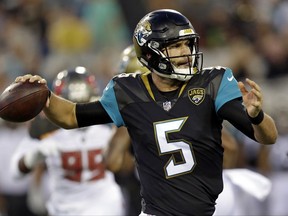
column 10, row 139
column 80, row 184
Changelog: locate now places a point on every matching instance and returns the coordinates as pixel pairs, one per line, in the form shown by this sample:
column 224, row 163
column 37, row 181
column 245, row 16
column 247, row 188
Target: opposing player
column 80, row 184
column 174, row 116
column 129, row 62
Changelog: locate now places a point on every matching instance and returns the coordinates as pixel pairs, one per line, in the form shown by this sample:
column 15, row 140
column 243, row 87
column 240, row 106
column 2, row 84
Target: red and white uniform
column 9, row 141
column 80, row 184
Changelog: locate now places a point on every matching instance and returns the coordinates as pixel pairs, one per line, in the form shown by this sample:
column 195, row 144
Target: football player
column 129, row 62
column 173, row 114
column 80, row 183
column 250, row 185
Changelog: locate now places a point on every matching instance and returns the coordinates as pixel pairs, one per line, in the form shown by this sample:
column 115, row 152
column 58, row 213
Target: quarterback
column 174, row 115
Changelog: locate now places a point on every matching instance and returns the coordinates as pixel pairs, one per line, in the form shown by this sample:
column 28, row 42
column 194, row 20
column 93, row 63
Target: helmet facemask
column 181, row 67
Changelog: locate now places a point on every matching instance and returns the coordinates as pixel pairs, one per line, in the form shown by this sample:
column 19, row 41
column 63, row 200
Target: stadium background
column 250, row 36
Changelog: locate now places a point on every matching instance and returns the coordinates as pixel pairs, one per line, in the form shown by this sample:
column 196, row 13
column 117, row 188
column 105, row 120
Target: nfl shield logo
column 167, row 105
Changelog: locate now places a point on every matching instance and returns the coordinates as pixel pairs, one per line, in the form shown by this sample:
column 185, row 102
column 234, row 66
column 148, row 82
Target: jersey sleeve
column 109, row 103
column 228, row 89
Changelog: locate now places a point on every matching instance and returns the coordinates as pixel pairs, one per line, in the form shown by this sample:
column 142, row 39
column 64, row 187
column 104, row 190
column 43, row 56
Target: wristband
column 258, row 119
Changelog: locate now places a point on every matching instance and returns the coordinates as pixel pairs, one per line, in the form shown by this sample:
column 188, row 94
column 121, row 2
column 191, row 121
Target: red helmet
column 76, row 85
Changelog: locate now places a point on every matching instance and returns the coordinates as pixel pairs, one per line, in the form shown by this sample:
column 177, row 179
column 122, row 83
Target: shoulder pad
column 215, row 68
column 132, row 75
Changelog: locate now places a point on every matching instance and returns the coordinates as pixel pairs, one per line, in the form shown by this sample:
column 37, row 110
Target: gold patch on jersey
column 196, row 95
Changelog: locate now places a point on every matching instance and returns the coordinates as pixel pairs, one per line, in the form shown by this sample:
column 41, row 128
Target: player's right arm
column 58, row 110
column 67, row 114
column 61, row 112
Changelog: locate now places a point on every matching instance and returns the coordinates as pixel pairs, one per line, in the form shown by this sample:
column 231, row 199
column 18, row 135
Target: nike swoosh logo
column 230, row 78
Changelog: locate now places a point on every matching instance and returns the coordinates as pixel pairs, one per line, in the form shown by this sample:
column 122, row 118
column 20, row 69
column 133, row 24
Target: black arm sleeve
column 234, row 112
column 91, row 114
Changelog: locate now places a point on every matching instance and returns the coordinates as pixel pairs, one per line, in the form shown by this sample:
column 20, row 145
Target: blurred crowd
column 249, row 36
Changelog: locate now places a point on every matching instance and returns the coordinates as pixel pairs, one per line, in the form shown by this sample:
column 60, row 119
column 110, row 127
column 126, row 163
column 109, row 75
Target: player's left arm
column 25, row 157
column 250, row 119
column 265, row 130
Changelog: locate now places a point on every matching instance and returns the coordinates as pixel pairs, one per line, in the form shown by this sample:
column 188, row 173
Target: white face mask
column 182, row 74
column 174, row 76
column 179, row 72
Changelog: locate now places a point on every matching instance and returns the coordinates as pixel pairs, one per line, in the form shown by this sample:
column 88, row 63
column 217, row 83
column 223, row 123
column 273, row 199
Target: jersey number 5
column 166, row 146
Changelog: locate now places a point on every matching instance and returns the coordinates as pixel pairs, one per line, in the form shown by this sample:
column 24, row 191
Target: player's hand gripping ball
column 22, row 101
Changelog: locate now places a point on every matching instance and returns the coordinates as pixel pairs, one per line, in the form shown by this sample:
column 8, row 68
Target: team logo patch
column 196, row 95
column 142, row 32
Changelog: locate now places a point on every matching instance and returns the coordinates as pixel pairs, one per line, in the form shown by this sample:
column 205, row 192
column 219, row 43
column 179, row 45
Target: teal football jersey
column 176, row 141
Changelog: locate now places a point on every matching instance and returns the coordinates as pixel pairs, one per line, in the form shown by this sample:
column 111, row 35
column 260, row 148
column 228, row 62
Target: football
column 22, row 101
